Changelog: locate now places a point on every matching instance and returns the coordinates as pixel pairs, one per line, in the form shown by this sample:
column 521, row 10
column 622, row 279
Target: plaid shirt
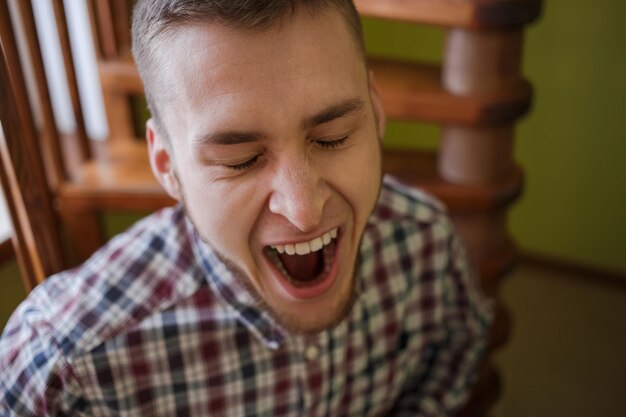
column 155, row 325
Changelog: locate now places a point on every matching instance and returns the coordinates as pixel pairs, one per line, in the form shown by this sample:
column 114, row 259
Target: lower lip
column 315, row 290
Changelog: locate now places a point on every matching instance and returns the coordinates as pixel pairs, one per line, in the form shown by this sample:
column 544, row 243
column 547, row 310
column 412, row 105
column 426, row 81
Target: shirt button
column 312, row 352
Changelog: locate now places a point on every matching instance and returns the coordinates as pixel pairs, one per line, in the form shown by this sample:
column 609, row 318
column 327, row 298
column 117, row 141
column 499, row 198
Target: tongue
column 303, row 267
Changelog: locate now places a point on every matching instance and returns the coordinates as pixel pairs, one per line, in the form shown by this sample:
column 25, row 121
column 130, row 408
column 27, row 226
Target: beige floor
column 566, row 357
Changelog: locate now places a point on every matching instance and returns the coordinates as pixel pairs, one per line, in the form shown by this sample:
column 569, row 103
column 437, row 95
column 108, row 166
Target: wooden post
column 479, row 63
column 483, row 63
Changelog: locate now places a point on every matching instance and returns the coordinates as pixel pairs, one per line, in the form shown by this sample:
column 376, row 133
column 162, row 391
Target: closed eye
column 332, row 144
column 243, row 166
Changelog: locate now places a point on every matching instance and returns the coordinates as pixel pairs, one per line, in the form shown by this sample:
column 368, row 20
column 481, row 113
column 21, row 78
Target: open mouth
column 305, row 264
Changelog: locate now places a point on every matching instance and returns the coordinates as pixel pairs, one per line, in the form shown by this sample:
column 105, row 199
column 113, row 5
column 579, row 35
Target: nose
column 299, row 194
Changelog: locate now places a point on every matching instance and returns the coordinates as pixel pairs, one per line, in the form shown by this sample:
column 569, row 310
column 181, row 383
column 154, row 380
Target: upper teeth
column 305, row 248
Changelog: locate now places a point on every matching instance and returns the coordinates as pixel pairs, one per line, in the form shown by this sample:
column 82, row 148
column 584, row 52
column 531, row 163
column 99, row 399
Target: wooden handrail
column 470, row 14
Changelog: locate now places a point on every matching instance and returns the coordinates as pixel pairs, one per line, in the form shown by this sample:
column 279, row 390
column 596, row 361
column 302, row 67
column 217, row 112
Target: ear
column 377, row 104
column 159, row 153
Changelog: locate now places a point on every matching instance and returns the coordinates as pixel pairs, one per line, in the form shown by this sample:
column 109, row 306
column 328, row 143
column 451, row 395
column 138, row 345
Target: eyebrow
column 229, row 138
column 327, row 115
column 333, row 112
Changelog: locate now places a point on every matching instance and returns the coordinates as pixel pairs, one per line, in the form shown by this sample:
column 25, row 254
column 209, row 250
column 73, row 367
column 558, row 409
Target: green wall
column 11, row 291
column 573, row 144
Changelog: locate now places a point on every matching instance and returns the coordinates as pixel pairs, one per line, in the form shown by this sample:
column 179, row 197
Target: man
column 291, row 280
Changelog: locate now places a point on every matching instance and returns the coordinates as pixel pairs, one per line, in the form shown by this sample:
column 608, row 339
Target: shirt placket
column 314, row 361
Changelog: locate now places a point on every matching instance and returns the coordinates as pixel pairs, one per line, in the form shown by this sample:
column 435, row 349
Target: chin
column 315, row 319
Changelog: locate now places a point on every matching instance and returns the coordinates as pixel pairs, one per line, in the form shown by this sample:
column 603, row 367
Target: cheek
column 224, row 212
column 358, row 174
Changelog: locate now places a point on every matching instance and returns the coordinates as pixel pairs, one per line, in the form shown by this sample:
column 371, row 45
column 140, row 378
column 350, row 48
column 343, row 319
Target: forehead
column 242, row 76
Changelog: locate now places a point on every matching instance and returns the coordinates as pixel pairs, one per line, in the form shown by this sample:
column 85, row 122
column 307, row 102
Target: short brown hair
column 153, row 19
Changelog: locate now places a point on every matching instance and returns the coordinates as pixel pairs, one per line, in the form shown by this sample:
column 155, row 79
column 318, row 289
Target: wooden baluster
column 72, row 82
column 50, row 139
column 23, row 176
column 112, row 20
column 106, row 32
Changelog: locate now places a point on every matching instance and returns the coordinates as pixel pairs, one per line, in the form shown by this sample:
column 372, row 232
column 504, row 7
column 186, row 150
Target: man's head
column 268, row 129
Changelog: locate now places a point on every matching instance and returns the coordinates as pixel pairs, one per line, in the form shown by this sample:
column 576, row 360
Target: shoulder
column 144, row 270
column 412, row 259
column 400, row 201
column 408, row 238
column 404, row 212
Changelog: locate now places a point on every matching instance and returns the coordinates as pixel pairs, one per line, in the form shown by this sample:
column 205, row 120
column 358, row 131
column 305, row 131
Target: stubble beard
column 290, row 322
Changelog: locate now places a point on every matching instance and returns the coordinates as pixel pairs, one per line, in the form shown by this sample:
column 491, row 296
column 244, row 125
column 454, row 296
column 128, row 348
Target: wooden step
column 413, row 92
column 118, row 178
column 486, row 391
column 410, row 92
column 494, row 270
column 500, row 328
column 419, row 168
column 471, row 14
column 120, row 76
